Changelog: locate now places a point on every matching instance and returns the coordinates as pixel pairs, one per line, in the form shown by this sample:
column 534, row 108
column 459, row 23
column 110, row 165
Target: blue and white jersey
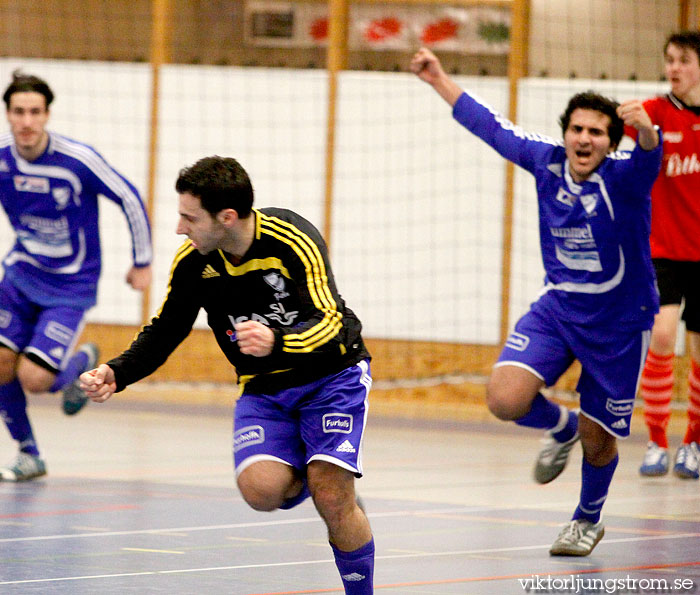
column 594, row 236
column 52, row 205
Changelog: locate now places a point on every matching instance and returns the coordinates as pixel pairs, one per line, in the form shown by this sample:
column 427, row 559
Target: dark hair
column 27, row 83
column 219, row 183
column 685, row 39
column 598, row 103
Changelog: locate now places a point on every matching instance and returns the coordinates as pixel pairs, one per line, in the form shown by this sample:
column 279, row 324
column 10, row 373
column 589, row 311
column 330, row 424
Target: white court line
column 328, row 561
column 314, row 519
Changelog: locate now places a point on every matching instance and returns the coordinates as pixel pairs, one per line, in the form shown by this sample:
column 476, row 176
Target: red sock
column 657, row 389
column 692, row 434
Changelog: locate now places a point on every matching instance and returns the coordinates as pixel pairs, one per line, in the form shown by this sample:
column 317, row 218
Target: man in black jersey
column 264, row 279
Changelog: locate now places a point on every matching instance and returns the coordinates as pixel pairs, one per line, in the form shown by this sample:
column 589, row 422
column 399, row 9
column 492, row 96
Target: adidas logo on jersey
column 619, row 425
column 345, row 447
column 354, row 577
column 209, row 272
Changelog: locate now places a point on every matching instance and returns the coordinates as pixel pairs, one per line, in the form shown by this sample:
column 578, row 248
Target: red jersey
column 675, row 196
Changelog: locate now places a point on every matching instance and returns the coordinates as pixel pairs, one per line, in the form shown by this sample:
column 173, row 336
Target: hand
column 254, row 338
column 99, row 384
column 139, row 277
column 426, row 66
column 633, row 114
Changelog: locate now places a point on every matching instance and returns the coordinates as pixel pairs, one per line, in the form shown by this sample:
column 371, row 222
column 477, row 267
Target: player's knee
column 263, row 487
column 599, row 447
column 260, row 497
column 333, row 502
column 499, row 401
column 35, row 382
column 664, row 340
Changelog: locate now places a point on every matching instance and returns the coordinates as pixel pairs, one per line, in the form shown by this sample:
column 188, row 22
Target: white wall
column 418, row 202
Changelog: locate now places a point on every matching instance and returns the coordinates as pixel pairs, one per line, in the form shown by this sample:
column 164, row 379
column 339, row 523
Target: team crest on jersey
column 275, row 280
column 61, row 196
column 31, row 184
column 565, row 197
column 4, row 166
column 589, row 201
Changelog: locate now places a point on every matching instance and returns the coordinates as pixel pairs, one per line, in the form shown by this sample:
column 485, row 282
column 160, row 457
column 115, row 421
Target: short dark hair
column 27, row 83
column 219, row 183
column 685, row 39
column 595, row 101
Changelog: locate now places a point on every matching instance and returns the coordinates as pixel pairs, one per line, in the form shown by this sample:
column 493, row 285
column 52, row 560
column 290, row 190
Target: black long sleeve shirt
column 283, row 281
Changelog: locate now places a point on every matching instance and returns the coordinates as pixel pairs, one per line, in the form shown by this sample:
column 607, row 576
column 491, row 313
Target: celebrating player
column 264, row 279
column 599, row 298
column 49, row 186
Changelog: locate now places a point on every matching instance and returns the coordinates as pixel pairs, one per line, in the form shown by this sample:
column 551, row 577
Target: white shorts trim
column 519, row 365
column 245, row 463
column 334, row 461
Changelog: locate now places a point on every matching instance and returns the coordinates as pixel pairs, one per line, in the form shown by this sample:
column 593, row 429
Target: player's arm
column 510, row 141
column 107, row 181
column 166, row 330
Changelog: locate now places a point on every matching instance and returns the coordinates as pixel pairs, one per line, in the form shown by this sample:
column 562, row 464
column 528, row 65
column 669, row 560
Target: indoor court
column 435, row 244
column 141, row 499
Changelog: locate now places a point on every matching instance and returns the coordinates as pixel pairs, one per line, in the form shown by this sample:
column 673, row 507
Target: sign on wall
column 469, row 30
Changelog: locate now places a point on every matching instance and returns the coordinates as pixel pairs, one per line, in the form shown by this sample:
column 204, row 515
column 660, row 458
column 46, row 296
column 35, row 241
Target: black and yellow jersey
column 283, row 281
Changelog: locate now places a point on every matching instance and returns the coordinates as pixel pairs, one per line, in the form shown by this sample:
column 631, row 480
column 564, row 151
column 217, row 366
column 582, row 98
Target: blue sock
column 356, row 569
column 546, row 415
column 13, row 409
column 595, row 482
column 298, row 499
column 76, row 366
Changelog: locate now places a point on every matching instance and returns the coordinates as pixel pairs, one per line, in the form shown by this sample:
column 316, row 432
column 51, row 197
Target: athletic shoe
column 552, row 457
column 74, row 398
column 655, row 461
column 23, row 468
column 578, row 538
column 687, row 460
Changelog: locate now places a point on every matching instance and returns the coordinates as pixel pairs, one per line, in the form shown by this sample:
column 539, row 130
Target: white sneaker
column 687, row 461
column 655, row 461
column 552, row 458
column 578, row 538
column 23, row 468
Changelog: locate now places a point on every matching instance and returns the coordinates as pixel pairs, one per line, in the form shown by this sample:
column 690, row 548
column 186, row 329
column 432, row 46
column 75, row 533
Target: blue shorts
column 48, row 335
column 612, row 360
column 320, row 421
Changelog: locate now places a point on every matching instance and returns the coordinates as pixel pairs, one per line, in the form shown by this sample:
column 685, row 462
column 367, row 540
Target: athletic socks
column 546, row 415
column 656, row 388
column 692, row 434
column 75, row 367
column 13, row 410
column 356, row 569
column 595, row 482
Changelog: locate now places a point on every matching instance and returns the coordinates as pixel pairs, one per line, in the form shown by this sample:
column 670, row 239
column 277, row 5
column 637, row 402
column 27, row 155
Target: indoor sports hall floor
column 142, row 500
